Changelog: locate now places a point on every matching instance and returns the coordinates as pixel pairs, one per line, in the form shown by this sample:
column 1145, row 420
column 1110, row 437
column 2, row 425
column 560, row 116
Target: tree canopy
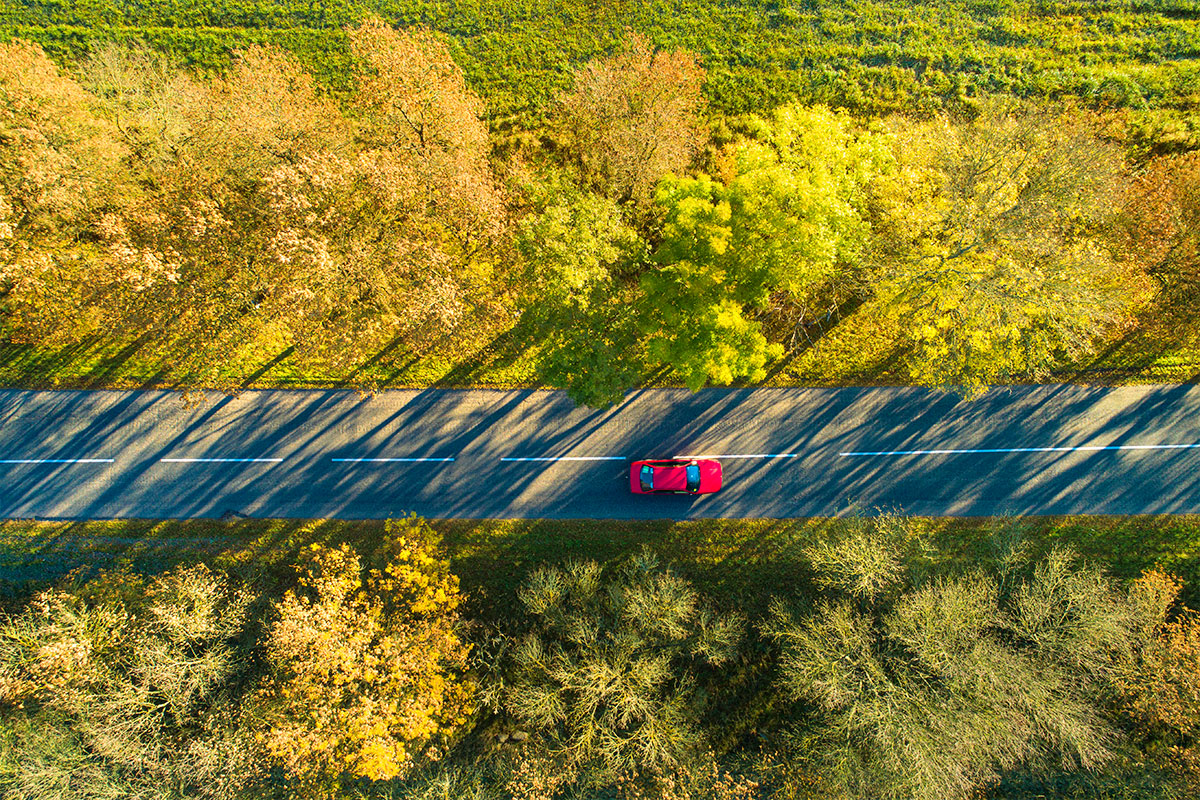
column 787, row 220
column 604, row 675
column 989, row 243
column 366, row 666
column 932, row 686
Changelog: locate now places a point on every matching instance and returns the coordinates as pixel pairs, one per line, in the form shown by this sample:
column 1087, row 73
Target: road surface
column 445, row 453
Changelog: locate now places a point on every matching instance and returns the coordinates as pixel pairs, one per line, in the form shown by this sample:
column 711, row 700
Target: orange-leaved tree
column 1162, row 692
column 58, row 166
column 1161, row 229
column 631, row 118
column 429, row 212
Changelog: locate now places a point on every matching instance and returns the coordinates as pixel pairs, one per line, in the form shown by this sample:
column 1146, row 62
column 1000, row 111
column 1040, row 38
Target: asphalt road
column 440, row 453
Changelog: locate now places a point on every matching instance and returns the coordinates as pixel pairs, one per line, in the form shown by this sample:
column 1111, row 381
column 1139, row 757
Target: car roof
column 670, row 478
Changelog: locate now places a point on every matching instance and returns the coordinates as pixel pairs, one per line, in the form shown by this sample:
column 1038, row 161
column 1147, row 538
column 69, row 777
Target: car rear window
column 693, row 477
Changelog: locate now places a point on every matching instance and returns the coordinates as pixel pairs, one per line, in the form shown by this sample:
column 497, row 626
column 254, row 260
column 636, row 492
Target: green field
column 870, row 55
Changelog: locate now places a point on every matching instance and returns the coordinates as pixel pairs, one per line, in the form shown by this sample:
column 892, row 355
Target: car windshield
column 647, row 478
column 693, row 477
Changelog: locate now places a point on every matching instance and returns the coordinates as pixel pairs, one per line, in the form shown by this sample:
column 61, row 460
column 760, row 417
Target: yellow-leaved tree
column 366, row 665
column 990, row 243
column 58, row 166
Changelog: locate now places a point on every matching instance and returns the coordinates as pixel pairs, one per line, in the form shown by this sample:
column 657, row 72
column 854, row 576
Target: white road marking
column 568, row 458
column 355, row 460
column 221, row 460
column 56, row 461
column 753, row 455
column 1091, row 448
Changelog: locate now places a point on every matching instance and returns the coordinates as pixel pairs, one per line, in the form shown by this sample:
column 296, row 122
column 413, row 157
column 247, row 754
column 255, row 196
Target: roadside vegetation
column 867, row 656
column 631, row 226
column 875, row 56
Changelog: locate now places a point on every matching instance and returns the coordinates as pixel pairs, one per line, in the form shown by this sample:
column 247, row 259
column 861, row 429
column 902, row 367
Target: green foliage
column 941, row 687
column 866, row 558
column 786, row 222
column 572, row 241
column 605, row 675
column 595, row 354
column 990, row 244
column 120, row 689
column 578, row 250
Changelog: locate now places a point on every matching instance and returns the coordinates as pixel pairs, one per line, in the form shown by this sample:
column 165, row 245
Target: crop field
column 872, row 56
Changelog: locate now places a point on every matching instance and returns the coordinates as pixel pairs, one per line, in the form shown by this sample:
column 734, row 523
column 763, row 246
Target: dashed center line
column 566, row 458
column 56, row 461
column 752, row 455
column 1090, row 448
column 221, row 460
column 356, row 460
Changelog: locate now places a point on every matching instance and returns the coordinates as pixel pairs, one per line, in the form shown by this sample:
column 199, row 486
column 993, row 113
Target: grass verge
column 861, row 349
column 742, row 562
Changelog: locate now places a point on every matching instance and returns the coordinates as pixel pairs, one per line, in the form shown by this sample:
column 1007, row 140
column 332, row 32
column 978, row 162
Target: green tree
column 605, row 676
column 788, row 221
column 937, row 687
column 577, row 288
column 574, row 245
column 990, row 241
column 125, row 689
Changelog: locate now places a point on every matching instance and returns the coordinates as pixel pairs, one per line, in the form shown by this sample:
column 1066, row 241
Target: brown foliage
column 1161, row 230
column 632, row 117
column 1162, row 694
column 422, row 128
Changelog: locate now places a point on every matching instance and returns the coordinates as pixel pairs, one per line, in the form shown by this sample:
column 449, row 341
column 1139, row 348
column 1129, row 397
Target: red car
column 675, row 476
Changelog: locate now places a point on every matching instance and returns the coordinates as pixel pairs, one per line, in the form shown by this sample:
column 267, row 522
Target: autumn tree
column 123, row 688
column 1161, row 690
column 59, row 165
column 604, row 676
column 990, row 243
column 434, row 208
column 1160, row 227
column 630, row 118
column 140, row 92
column 248, row 214
column 788, row 221
column 213, row 216
column 366, row 664
column 927, row 686
column 177, row 253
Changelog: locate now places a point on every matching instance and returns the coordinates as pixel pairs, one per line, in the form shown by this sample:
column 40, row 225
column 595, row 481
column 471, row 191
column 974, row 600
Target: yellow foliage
column 367, row 666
